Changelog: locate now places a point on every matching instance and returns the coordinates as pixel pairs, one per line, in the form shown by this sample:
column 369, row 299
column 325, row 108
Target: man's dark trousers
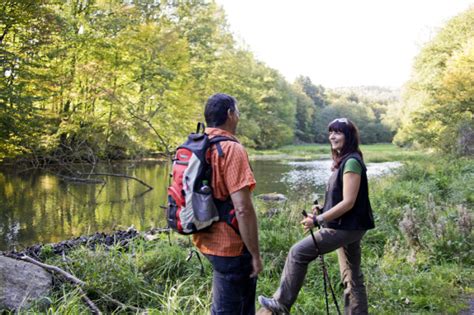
column 233, row 291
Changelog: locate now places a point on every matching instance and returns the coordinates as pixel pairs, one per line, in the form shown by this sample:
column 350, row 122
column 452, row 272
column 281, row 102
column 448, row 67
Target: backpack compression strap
column 199, row 126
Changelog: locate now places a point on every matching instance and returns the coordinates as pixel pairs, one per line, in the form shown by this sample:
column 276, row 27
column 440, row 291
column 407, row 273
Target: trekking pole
column 315, row 202
column 321, row 259
column 326, row 280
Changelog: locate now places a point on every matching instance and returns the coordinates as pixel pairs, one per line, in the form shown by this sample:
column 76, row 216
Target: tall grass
column 419, row 259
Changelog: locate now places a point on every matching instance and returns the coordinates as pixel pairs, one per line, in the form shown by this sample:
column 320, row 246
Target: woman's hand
column 308, row 222
column 317, row 209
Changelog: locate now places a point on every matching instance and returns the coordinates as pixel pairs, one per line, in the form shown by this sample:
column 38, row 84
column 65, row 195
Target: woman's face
column 336, row 138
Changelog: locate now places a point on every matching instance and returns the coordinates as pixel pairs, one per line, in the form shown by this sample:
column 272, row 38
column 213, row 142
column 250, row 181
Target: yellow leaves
column 458, row 79
column 439, row 97
column 434, row 127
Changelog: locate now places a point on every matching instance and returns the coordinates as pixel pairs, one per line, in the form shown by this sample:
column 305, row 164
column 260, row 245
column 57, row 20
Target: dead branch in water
column 124, row 176
column 81, row 179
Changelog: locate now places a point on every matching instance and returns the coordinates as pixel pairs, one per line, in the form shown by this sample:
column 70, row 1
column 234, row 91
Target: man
column 235, row 257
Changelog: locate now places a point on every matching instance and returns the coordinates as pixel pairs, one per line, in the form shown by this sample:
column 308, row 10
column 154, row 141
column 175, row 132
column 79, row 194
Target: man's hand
column 257, row 266
column 248, row 226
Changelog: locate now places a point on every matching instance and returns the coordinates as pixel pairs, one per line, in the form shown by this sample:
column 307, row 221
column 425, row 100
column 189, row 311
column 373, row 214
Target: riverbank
column 373, row 153
column 419, row 259
column 381, row 152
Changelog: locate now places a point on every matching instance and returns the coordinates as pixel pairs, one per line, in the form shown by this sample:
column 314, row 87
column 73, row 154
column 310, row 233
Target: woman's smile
column 336, row 138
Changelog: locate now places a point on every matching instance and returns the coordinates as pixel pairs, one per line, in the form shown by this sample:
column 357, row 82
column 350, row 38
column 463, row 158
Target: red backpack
column 191, row 205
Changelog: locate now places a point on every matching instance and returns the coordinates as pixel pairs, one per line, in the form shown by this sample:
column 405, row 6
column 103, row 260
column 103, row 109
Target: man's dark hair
column 216, row 109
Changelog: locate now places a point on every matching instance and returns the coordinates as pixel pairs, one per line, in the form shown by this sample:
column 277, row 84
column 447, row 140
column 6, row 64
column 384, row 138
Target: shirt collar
column 213, row 132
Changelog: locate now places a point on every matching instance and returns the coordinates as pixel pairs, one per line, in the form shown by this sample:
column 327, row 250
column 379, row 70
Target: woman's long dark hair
column 351, row 140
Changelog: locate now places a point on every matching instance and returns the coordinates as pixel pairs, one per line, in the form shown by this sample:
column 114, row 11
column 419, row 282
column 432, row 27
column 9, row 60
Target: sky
column 339, row 42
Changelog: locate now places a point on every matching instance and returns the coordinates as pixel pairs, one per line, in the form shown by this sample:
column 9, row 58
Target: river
column 39, row 207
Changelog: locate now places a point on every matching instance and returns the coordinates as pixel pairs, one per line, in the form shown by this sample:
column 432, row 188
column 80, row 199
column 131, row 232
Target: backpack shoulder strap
column 217, row 140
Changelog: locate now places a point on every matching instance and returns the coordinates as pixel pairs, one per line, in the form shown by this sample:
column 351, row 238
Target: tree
column 349, row 105
column 305, row 113
column 265, row 99
column 315, row 92
column 25, row 28
column 439, row 97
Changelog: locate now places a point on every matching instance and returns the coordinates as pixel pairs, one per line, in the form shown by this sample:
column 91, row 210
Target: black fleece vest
column 360, row 217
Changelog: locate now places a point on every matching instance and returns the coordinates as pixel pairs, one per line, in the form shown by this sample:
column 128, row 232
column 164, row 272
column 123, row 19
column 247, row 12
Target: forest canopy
column 119, row 79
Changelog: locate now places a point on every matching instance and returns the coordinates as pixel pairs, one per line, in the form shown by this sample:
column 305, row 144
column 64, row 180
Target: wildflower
column 464, row 220
column 409, row 227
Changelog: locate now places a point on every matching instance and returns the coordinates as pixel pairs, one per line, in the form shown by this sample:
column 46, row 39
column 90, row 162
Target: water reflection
column 41, row 208
column 317, row 173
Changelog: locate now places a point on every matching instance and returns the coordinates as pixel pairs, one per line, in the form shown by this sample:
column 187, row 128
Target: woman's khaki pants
column 302, row 253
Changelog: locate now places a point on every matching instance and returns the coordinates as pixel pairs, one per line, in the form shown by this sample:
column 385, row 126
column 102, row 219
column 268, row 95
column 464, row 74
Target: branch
column 69, row 277
column 123, row 175
column 163, row 142
column 116, row 302
column 5, row 32
column 94, row 309
column 80, row 179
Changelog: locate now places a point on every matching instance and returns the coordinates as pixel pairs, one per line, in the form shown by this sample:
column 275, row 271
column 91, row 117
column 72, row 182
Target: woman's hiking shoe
column 272, row 305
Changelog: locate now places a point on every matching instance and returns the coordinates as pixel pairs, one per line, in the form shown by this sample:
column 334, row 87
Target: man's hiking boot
column 273, row 305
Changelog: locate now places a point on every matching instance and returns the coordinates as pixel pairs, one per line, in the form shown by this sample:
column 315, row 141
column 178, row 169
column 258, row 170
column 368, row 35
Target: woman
column 345, row 218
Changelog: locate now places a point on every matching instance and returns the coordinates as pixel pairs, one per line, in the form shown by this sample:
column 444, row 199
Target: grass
column 381, row 152
column 419, row 259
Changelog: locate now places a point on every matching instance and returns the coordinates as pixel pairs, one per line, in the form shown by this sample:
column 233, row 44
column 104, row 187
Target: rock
column 272, row 197
column 272, row 212
column 21, row 283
